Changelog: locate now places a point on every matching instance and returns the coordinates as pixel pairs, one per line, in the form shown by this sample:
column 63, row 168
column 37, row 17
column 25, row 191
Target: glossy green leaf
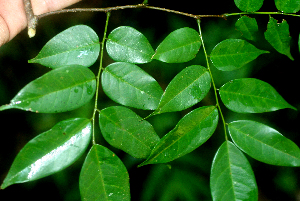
column 232, row 177
column 249, row 5
column 129, row 45
column 288, row 6
column 50, row 151
column 59, row 90
column 278, row 36
column 192, row 130
column 129, row 85
column 264, row 143
column 180, row 46
column 78, row 45
column 247, row 26
column 249, row 95
column 232, row 54
column 125, row 130
column 103, row 177
column 186, row 89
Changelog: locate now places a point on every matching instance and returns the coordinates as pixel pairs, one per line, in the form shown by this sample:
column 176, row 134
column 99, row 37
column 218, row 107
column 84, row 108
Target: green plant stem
column 98, row 76
column 212, row 80
column 260, row 13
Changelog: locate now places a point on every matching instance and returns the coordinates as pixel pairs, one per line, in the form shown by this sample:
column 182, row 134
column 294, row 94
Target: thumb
column 13, row 19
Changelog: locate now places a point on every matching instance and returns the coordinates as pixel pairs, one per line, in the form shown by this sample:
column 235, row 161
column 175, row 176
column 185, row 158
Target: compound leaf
column 78, row 45
column 278, row 36
column 103, row 177
column 264, row 143
column 247, row 26
column 232, row 177
column 129, row 85
column 288, row 6
column 192, row 130
column 129, row 45
column 50, row 151
column 249, row 5
column 125, row 130
column 59, row 90
column 186, row 89
column 232, row 54
column 180, row 46
column 249, row 95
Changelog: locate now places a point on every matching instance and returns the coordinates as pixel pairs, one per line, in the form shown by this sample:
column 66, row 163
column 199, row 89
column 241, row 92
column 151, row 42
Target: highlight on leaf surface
column 250, row 95
column 59, row 90
column 232, row 54
column 50, row 151
column 129, row 45
column 186, row 89
column 180, row 46
column 125, row 130
column 232, row 177
column 249, row 5
column 278, row 35
column 78, row 45
column 192, row 130
column 103, row 176
column 264, row 143
column 129, row 85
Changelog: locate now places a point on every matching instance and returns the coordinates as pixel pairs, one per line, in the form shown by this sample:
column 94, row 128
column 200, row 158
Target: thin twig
column 109, row 9
column 31, row 18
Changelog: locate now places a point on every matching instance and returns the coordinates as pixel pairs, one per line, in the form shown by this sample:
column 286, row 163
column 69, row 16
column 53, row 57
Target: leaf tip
column 5, row 184
column 293, row 108
column 5, row 107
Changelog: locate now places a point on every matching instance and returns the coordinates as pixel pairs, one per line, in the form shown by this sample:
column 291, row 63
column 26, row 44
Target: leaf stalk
column 212, row 80
column 98, row 75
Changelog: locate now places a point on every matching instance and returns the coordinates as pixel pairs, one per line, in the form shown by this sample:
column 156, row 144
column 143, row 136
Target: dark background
column 188, row 178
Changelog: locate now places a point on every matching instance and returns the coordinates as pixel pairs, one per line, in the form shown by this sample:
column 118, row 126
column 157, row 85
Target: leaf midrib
column 124, row 81
column 174, row 141
column 252, row 137
column 164, row 95
column 37, row 58
column 52, row 92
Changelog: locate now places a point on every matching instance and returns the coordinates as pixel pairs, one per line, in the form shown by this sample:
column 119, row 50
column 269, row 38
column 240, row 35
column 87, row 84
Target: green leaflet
column 129, row 45
column 186, row 89
column 249, row 95
column 125, row 130
column 247, row 26
column 59, row 90
column 180, row 46
column 129, row 85
column 249, row 5
column 50, row 151
column 103, row 177
column 288, row 6
column 278, row 36
column 78, row 45
column 232, row 177
column 264, row 143
column 192, row 130
column 232, row 54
